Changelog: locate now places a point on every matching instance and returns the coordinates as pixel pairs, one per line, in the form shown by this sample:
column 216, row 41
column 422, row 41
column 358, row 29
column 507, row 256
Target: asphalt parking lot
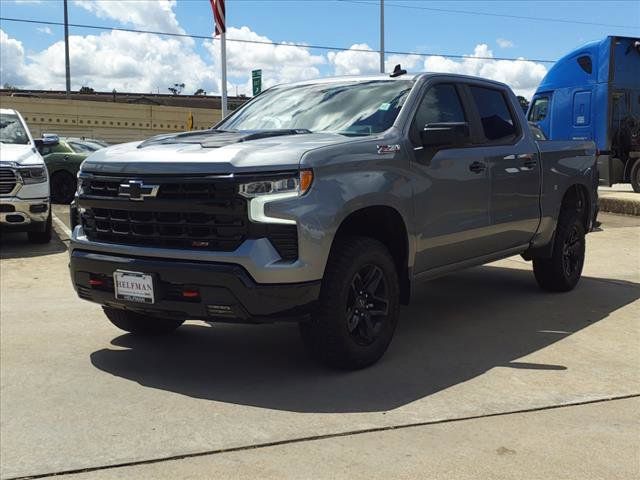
column 487, row 377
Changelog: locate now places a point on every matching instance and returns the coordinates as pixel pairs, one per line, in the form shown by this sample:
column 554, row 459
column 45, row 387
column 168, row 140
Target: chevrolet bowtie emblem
column 137, row 190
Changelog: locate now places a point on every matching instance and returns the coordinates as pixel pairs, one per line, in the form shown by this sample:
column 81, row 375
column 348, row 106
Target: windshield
column 348, row 107
column 84, row 147
column 11, row 129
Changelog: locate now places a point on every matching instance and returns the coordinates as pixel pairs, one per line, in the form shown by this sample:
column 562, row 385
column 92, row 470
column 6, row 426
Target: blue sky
column 322, row 22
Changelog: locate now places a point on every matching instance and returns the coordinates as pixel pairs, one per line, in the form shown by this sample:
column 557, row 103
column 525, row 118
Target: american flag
column 218, row 14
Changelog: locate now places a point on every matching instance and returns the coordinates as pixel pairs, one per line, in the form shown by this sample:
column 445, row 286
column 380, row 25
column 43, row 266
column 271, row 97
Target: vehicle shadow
column 16, row 245
column 457, row 328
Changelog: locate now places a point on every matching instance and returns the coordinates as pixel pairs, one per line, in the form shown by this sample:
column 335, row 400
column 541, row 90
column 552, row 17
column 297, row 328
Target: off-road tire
column 635, row 176
column 63, row 187
column 328, row 336
column 139, row 324
column 45, row 235
column 562, row 271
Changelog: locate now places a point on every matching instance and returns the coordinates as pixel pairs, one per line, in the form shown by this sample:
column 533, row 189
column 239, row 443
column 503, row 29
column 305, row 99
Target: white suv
column 24, row 182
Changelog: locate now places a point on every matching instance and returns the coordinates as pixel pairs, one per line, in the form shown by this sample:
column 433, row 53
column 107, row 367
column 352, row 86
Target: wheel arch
column 385, row 224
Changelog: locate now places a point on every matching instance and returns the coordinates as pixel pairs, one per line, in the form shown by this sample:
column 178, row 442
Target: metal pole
column 381, row 36
column 66, row 47
column 223, row 58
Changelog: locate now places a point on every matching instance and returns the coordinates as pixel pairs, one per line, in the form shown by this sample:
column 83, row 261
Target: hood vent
column 218, row 138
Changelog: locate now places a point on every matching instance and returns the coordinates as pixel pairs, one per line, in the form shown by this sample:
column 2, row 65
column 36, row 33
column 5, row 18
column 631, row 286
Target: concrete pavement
column 539, row 445
column 77, row 393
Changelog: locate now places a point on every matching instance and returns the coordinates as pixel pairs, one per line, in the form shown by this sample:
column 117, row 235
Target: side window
column 585, row 63
column 440, row 104
column 497, row 122
column 539, row 109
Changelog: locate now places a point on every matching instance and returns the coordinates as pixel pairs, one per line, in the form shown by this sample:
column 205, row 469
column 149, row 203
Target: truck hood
column 19, row 154
column 211, row 153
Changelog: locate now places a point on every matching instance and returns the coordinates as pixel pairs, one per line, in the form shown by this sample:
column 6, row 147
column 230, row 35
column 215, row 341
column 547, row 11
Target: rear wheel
column 63, row 187
column 635, row 176
column 359, row 305
column 562, row 271
column 140, row 324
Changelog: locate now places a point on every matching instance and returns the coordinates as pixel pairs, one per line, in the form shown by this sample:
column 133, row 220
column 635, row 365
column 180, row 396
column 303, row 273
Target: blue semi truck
column 593, row 93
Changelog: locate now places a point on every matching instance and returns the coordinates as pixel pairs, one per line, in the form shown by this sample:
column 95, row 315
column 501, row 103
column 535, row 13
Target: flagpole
column 223, row 58
column 381, row 36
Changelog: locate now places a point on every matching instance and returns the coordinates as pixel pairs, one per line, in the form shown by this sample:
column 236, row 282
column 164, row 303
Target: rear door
column 514, row 168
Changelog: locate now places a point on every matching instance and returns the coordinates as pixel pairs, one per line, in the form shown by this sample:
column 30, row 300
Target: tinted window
column 497, row 122
column 585, row 63
column 440, row 104
column 539, row 109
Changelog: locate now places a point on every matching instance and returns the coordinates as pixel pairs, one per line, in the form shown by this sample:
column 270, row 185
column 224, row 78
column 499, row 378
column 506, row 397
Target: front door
column 451, row 198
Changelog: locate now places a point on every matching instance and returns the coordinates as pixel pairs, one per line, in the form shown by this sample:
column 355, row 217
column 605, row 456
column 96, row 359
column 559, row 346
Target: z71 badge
column 382, row 149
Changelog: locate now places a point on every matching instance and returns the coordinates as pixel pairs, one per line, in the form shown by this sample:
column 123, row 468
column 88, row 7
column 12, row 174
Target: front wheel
column 63, row 187
column 562, row 271
column 358, row 308
column 140, row 324
column 43, row 236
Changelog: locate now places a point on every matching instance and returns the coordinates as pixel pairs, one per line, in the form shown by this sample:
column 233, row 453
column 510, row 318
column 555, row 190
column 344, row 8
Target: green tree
column 177, row 88
column 524, row 103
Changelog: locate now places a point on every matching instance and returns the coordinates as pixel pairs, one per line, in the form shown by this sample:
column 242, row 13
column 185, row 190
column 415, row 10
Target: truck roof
column 7, row 111
column 386, row 77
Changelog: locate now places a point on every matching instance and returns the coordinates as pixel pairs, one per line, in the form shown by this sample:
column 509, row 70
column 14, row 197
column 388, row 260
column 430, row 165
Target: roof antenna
column 398, row 71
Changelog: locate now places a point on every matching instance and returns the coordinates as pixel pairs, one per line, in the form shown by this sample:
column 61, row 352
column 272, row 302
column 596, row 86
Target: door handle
column 477, row 167
column 530, row 163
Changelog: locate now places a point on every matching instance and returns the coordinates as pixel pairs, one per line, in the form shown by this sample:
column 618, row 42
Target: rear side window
column 585, row 63
column 539, row 109
column 440, row 104
column 497, row 122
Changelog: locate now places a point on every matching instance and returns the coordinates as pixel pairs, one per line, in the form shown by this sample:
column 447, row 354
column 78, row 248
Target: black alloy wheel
column 367, row 305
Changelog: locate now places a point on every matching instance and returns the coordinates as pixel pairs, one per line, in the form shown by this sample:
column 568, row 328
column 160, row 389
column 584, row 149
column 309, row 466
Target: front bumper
column 24, row 214
column 226, row 291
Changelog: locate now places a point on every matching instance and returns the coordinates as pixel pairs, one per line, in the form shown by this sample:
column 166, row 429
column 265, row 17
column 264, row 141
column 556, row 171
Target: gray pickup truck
column 325, row 202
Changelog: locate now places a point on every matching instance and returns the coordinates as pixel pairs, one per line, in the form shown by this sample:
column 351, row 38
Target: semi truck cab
column 593, row 93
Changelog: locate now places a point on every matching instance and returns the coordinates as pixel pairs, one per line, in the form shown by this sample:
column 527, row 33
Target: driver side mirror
column 47, row 140
column 452, row 134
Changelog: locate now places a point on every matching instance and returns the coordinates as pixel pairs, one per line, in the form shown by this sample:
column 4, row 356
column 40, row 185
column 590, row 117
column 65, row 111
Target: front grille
column 8, row 181
column 166, row 229
column 193, row 214
column 170, row 190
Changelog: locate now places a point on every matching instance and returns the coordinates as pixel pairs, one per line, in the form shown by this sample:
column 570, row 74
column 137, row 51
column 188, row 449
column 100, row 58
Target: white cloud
column 279, row 63
column 523, row 76
column 45, row 30
column 157, row 15
column 504, row 43
column 354, row 62
column 12, row 64
column 115, row 60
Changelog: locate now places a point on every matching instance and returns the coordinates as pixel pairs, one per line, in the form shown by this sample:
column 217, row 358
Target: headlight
column 33, row 175
column 295, row 185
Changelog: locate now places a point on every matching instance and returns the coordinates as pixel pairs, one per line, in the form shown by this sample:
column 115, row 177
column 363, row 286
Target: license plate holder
column 134, row 287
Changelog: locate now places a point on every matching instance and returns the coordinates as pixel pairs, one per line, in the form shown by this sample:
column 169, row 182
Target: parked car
column 24, row 183
column 63, row 158
column 593, row 93
column 325, row 202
